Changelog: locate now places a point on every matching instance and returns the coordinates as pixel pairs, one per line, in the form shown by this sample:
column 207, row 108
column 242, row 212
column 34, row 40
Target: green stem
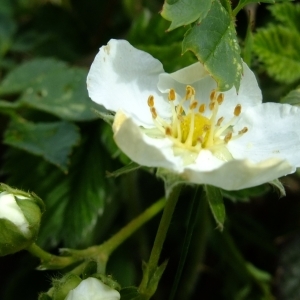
column 165, row 221
column 48, row 260
column 102, row 252
column 131, row 227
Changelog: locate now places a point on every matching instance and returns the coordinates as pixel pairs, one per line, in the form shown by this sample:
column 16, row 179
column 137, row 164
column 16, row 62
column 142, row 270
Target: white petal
column 122, row 78
column 239, row 174
column 93, row 289
column 145, row 150
column 10, row 210
column 273, row 132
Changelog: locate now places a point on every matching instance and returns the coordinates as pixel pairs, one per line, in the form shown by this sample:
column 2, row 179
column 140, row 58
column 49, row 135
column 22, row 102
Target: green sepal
column 63, row 286
column 108, row 280
column 44, row 296
column 105, row 116
column 132, row 166
column 130, row 293
column 32, row 214
column 152, row 279
column 279, row 188
column 215, row 44
column 170, row 179
column 11, row 238
column 215, row 200
column 184, row 12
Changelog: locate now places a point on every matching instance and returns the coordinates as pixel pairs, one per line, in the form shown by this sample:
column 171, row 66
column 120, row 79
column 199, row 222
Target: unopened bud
column 93, row 289
column 20, row 217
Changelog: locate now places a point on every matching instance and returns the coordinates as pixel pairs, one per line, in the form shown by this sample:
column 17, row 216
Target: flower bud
column 20, row 216
column 93, row 289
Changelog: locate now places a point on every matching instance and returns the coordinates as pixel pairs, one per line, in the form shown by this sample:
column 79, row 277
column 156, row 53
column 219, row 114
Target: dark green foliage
column 277, row 44
column 55, row 145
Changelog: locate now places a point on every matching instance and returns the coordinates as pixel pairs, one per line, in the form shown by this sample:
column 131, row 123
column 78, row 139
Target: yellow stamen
column 189, row 129
column 150, row 101
column 228, row 137
column 193, row 105
column 172, row 95
column 220, row 98
column 168, row 131
column 237, row 110
column 202, row 108
column 220, row 120
column 212, row 95
column 244, row 130
column 153, row 112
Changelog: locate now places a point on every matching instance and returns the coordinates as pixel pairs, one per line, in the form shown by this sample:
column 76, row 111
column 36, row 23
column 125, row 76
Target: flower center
column 190, row 129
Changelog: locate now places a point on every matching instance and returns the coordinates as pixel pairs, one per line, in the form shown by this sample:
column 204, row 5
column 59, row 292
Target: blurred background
column 55, row 145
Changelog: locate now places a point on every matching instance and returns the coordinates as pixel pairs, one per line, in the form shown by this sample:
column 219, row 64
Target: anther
column 206, row 127
column 190, row 91
column 220, row 121
column 212, row 95
column 179, row 110
column 168, row 131
column 193, row 105
column 228, row 137
column 200, row 139
column 212, row 105
column 153, row 112
column 237, row 110
column 150, row 101
column 244, row 130
column 171, row 95
column 220, row 98
column 202, row 108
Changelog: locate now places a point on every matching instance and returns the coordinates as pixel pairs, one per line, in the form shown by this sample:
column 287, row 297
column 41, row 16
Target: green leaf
column 184, row 12
column 278, row 186
column 278, row 49
column 293, row 97
column 215, row 200
column 51, row 86
column 88, row 193
column 287, row 13
column 53, row 141
column 214, row 43
column 29, row 72
column 63, row 94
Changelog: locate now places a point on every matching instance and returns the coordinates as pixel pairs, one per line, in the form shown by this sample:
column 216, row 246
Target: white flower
column 10, row 210
column 180, row 122
column 93, row 289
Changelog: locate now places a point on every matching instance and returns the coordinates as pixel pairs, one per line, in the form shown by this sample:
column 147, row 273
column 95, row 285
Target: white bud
column 20, row 217
column 93, row 289
column 10, row 210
